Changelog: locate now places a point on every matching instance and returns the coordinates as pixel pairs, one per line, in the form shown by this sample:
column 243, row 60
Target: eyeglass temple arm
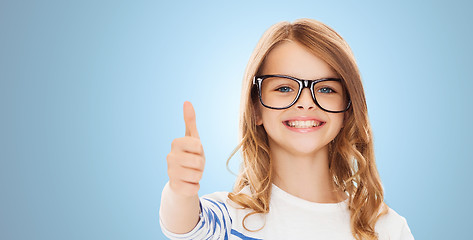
column 254, row 80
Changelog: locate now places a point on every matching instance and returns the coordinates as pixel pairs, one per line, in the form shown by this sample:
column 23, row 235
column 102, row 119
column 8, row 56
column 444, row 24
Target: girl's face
column 292, row 59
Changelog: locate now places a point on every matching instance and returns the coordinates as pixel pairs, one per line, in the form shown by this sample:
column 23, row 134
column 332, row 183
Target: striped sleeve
column 215, row 223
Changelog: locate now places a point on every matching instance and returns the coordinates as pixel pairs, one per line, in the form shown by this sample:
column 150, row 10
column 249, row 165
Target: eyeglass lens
column 278, row 92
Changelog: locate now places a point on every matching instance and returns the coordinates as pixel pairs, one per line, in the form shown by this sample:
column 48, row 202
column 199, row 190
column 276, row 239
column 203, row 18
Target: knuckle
column 171, row 173
column 199, row 176
column 199, row 162
column 174, row 143
column 170, row 159
column 196, row 176
column 190, row 141
column 197, row 145
column 192, row 144
column 195, row 162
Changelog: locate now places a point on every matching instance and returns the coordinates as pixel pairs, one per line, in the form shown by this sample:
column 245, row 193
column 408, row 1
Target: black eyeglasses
column 281, row 92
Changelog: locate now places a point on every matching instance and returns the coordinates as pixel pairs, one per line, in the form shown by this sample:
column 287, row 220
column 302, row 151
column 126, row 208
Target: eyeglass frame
column 302, row 84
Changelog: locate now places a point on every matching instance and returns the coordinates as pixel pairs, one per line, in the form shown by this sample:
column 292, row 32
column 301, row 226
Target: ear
column 259, row 121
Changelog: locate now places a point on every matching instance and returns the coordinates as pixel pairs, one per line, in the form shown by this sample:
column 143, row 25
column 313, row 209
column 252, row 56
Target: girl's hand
column 186, row 160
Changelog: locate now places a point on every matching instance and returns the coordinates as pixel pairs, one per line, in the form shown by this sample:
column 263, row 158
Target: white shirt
column 289, row 217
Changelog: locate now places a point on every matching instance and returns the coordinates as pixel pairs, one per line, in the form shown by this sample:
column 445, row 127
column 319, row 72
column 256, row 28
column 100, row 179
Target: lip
column 303, row 118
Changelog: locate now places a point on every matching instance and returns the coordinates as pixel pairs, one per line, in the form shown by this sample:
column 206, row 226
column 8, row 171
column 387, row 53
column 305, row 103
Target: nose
column 305, row 100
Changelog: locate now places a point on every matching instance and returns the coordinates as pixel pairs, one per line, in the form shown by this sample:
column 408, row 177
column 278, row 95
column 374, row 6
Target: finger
column 192, row 161
column 189, row 119
column 187, row 144
column 190, row 176
column 184, row 174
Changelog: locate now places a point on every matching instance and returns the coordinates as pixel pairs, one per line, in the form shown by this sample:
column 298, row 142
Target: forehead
column 291, row 58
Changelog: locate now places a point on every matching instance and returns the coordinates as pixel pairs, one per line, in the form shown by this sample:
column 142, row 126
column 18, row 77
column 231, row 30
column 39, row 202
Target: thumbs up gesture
column 186, row 160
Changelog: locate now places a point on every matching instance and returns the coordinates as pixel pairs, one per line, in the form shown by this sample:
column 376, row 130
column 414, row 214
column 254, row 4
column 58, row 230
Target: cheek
column 339, row 121
column 266, row 119
column 270, row 120
column 337, row 124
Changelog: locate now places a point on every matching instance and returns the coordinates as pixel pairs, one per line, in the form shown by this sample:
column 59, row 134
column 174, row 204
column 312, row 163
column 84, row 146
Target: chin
column 301, row 149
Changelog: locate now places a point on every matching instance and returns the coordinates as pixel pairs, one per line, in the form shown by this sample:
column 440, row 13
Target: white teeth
column 304, row 124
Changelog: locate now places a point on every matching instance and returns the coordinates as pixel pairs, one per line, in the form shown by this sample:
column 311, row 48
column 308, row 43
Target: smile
column 303, row 124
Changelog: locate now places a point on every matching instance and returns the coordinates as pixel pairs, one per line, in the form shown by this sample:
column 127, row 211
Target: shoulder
column 393, row 226
column 219, row 210
column 222, row 197
column 215, row 202
column 221, row 201
column 216, row 196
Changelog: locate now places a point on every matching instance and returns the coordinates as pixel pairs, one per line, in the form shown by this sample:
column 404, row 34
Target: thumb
column 189, row 119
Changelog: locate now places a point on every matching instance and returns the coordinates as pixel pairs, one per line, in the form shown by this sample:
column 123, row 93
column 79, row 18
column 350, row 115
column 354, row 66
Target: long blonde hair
column 351, row 154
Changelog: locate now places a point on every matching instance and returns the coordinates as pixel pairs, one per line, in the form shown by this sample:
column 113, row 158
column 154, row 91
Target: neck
column 306, row 176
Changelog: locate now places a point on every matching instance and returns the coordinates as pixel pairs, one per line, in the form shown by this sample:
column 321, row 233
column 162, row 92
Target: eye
column 326, row 90
column 284, row 89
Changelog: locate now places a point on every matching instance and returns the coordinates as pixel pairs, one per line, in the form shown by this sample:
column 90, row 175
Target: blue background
column 91, row 96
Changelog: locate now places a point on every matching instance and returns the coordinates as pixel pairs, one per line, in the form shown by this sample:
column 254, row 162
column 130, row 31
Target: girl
column 308, row 169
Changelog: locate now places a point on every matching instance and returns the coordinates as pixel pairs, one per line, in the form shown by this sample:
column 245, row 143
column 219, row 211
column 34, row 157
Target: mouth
column 303, row 124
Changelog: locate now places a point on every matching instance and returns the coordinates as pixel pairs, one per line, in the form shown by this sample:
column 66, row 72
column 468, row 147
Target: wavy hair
column 351, row 154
